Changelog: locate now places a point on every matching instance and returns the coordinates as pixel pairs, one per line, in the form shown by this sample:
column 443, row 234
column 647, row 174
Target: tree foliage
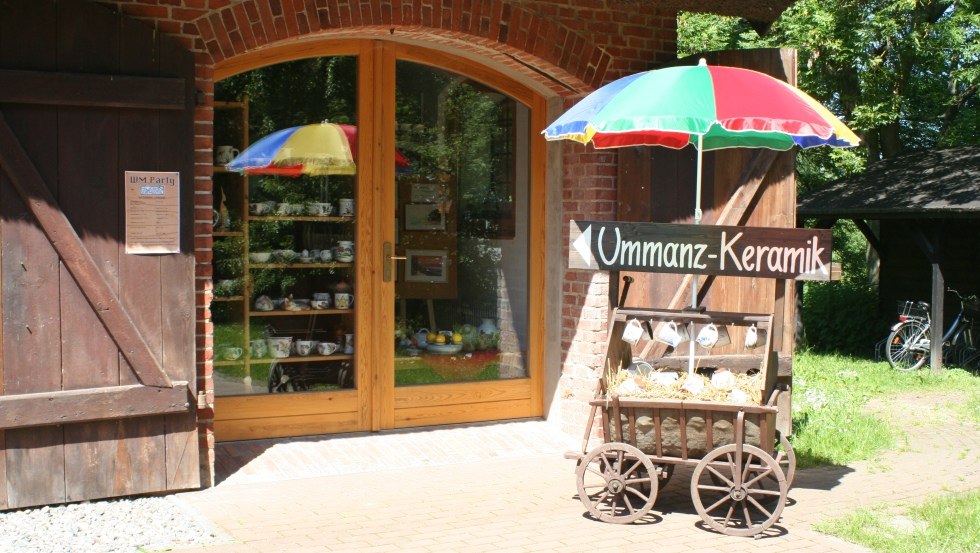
column 904, row 74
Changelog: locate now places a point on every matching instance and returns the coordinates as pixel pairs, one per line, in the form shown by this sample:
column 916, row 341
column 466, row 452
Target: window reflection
column 461, row 301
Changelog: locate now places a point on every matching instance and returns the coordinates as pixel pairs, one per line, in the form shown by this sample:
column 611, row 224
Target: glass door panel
column 293, row 258
column 461, row 294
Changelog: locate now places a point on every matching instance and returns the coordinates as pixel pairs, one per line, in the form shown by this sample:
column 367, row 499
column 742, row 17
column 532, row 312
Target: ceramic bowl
column 445, row 349
column 260, row 257
column 285, row 256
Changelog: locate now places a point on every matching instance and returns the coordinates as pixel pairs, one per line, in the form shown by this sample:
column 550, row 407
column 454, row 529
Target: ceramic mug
column 711, row 336
column 343, row 300
column 671, row 334
column 326, row 255
column 346, row 207
column 321, row 208
column 224, row 154
column 304, row 347
column 231, row 353
column 279, row 346
column 259, row 208
column 754, row 337
column 327, row 348
column 633, row 332
column 258, row 349
column 345, row 251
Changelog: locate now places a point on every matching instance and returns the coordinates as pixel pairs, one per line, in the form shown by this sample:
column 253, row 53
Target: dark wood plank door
column 104, row 338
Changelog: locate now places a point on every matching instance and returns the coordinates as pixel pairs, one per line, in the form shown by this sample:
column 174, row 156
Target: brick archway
column 504, row 45
column 570, row 48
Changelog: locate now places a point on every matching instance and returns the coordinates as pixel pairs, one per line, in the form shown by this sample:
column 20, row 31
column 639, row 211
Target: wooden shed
column 921, row 214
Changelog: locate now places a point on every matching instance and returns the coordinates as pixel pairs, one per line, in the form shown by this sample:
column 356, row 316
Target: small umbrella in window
column 317, row 149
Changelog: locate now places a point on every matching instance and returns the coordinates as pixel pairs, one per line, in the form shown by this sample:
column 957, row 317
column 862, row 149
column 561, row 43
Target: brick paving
column 506, row 487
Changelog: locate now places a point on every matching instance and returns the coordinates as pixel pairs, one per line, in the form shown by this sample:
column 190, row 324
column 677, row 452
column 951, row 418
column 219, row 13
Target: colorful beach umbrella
column 710, row 107
column 316, row 149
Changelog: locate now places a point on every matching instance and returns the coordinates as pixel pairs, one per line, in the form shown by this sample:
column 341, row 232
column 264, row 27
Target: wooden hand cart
column 743, row 467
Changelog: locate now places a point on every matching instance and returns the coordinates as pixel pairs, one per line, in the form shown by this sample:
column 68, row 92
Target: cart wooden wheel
column 279, row 380
column 740, row 504
column 615, row 483
column 786, row 458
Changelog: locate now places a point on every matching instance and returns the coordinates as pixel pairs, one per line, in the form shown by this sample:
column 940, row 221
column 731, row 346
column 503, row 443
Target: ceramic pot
column 487, row 326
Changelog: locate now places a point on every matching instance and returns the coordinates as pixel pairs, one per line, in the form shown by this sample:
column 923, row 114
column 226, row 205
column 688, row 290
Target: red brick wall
column 568, row 47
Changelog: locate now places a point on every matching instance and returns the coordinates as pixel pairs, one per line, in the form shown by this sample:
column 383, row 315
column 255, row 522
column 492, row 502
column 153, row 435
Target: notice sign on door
column 788, row 253
column 152, row 212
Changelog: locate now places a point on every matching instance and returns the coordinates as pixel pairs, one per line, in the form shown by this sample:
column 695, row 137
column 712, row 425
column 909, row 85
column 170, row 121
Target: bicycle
column 908, row 344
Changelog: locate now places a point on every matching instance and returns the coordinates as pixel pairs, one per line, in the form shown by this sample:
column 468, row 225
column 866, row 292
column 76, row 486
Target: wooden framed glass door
column 446, row 231
column 458, row 244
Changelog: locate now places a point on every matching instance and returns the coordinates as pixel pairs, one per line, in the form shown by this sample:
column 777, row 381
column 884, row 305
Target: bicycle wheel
column 908, row 346
column 963, row 346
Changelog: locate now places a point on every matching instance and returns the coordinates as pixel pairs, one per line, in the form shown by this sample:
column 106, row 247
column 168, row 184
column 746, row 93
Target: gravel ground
column 112, row 526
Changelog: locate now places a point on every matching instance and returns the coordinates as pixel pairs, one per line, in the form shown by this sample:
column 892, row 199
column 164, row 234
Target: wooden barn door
column 97, row 358
column 741, row 187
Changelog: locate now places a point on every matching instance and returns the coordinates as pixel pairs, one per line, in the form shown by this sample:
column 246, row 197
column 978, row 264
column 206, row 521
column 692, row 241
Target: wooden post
column 932, row 253
column 936, row 340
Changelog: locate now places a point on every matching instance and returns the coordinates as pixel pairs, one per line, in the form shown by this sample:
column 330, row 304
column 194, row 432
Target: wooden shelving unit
column 233, row 188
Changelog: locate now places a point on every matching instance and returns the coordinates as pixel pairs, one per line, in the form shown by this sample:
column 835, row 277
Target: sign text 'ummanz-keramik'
column 802, row 254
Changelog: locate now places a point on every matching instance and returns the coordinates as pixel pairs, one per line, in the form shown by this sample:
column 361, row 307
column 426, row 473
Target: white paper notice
column 152, row 212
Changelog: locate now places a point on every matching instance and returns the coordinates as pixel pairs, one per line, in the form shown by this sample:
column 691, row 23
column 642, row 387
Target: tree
column 904, row 74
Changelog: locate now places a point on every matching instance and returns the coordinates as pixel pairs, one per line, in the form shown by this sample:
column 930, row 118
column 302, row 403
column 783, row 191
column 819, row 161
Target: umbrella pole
column 694, row 279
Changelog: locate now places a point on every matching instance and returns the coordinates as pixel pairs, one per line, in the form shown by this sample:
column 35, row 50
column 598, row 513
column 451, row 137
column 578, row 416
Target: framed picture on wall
column 426, row 192
column 427, row 266
column 424, row 217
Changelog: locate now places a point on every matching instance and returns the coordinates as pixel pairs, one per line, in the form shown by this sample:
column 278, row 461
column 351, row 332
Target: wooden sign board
column 152, row 212
column 788, row 253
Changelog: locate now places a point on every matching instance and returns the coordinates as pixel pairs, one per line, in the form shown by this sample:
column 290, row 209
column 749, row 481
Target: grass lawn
column 942, row 524
column 830, row 425
column 829, row 396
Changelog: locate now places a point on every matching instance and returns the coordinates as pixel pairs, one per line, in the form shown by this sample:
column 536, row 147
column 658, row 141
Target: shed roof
column 926, row 184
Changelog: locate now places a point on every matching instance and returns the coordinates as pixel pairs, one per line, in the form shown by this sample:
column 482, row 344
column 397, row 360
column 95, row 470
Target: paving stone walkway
column 506, row 487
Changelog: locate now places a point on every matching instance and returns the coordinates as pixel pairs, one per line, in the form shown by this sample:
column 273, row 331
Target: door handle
column 389, row 256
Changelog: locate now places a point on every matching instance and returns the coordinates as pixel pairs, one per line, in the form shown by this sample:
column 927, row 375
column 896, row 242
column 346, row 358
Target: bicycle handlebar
column 966, row 302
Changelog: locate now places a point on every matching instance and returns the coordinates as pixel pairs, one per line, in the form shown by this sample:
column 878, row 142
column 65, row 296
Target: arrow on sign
column 583, row 245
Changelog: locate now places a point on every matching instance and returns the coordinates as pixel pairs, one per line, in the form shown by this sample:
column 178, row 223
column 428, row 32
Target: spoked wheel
column 279, row 380
column 786, row 458
column 908, row 346
column 614, row 483
column 744, row 501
